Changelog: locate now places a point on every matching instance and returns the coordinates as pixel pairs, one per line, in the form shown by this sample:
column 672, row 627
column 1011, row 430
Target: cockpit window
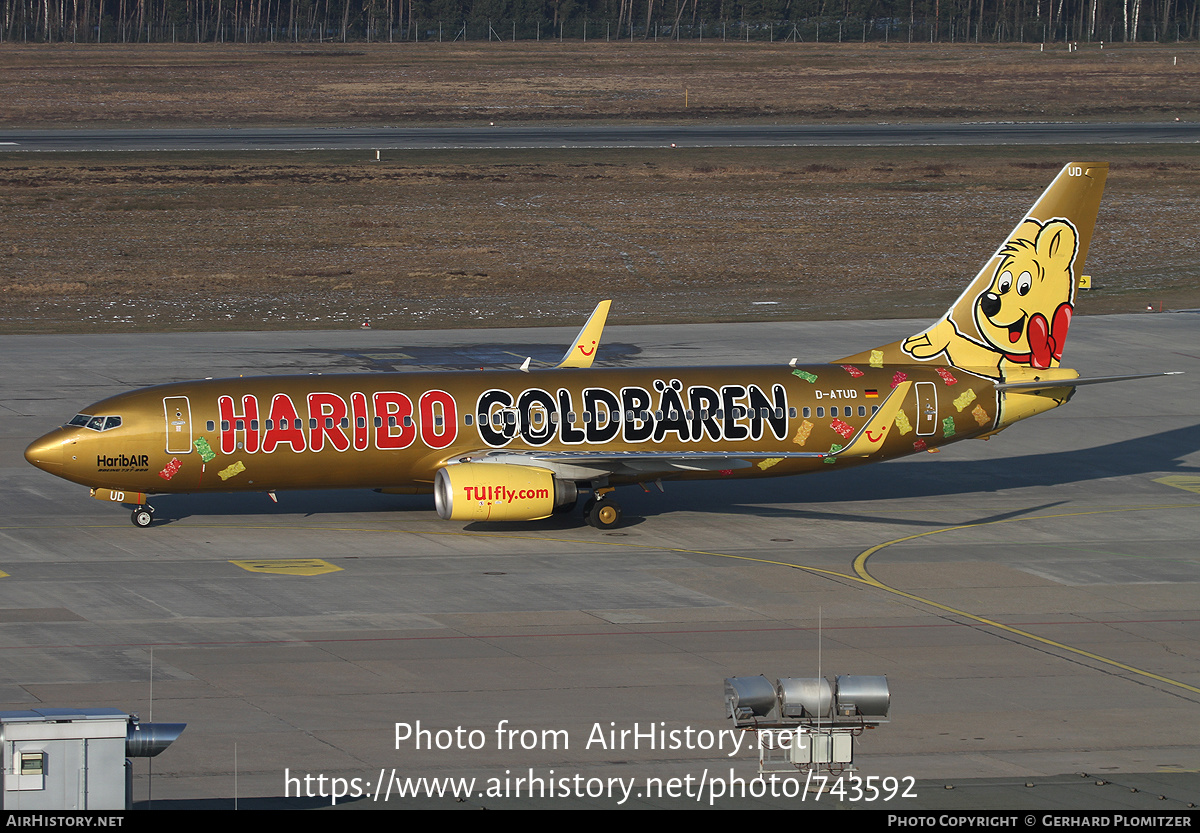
column 96, row 423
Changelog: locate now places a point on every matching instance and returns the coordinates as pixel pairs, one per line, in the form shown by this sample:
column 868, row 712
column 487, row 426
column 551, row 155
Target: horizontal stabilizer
column 1045, row 384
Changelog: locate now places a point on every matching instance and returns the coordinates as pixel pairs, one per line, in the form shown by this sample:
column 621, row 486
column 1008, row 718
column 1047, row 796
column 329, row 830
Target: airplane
column 522, row 445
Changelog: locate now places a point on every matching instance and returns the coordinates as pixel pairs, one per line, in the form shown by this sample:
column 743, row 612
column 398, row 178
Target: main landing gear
column 602, row 511
column 142, row 516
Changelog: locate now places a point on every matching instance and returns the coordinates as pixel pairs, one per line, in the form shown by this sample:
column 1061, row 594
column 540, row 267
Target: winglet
column 582, row 351
column 871, row 436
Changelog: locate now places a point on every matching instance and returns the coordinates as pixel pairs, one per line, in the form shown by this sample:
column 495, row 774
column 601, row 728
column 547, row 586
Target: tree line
column 140, row 21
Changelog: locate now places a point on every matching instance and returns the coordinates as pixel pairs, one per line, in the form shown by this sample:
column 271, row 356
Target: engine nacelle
column 499, row 492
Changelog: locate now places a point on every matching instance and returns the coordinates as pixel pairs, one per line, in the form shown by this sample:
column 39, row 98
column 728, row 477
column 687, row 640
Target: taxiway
column 1032, row 599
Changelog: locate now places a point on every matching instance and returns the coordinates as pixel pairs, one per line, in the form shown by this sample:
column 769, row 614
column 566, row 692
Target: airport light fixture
column 854, row 701
column 810, row 721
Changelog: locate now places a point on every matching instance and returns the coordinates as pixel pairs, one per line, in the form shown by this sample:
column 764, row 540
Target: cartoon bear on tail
column 1023, row 315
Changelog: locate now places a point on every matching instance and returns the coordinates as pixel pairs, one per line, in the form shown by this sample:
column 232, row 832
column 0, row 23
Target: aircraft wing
column 591, row 465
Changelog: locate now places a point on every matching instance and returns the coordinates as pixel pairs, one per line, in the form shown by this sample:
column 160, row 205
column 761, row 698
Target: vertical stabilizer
column 1017, row 310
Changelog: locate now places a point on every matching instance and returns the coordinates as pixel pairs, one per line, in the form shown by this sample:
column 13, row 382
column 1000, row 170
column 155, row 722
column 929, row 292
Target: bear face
column 1025, row 311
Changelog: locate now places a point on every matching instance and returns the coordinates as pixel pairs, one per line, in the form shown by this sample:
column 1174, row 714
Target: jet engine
column 499, row 492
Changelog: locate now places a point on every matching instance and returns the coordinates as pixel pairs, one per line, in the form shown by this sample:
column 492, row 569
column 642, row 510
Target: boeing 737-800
column 520, row 445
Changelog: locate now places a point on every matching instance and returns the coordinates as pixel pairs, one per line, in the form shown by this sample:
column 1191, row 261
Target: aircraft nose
column 47, row 452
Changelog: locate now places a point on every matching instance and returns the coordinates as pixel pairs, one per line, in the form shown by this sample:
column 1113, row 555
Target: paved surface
column 1037, row 621
column 599, row 136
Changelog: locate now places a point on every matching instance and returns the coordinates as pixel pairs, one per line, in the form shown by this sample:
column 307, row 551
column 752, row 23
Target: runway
column 596, row 136
column 1031, row 599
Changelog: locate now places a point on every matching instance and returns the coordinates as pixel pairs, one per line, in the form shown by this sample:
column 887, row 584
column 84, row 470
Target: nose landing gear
column 142, row 516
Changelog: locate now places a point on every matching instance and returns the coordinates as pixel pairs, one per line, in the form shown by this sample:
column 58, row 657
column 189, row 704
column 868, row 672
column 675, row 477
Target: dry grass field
column 535, row 238
column 108, row 242
column 376, row 84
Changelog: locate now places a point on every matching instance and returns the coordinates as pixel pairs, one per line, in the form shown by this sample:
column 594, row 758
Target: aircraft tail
column 1017, row 310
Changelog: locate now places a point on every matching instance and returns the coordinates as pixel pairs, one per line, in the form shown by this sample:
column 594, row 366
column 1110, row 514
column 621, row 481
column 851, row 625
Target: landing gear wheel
column 604, row 514
column 142, row 516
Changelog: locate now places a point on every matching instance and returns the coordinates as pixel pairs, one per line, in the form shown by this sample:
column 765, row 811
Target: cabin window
column 379, row 422
column 438, row 421
column 328, row 423
column 691, row 415
column 791, row 413
column 820, row 412
column 212, row 426
column 408, row 422
column 361, row 422
column 312, row 423
column 391, row 421
column 720, row 413
column 537, row 417
column 587, row 416
column 629, row 417
column 509, row 417
column 270, row 424
column 554, row 417
column 807, row 412
column 658, row 414
column 468, row 419
column 224, row 425
column 862, row 410
column 254, row 425
column 874, row 408
column 345, row 422
column 497, row 418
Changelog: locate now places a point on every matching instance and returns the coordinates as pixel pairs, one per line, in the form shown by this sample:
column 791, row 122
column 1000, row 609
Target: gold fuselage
column 396, row 430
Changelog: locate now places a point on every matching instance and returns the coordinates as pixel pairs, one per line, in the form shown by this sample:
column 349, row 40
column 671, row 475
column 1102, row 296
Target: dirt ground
column 536, row 238
column 117, row 85
column 115, row 242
